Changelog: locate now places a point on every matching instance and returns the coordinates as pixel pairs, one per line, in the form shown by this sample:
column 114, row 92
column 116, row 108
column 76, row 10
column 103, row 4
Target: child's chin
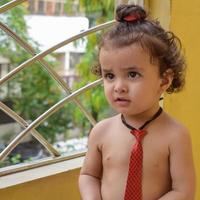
column 124, row 111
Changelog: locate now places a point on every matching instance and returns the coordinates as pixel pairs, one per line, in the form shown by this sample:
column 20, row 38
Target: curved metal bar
column 34, row 133
column 56, row 77
column 20, row 41
column 10, row 5
column 50, row 50
column 45, row 115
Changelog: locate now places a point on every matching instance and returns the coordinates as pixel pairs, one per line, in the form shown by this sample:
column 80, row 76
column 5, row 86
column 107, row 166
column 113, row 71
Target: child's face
column 132, row 83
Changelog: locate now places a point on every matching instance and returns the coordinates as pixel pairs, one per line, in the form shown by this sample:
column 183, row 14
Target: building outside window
column 47, row 7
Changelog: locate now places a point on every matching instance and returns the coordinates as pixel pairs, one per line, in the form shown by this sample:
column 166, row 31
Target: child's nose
column 120, row 87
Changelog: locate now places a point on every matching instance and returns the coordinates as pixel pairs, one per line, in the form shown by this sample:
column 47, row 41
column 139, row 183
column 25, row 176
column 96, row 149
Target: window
column 32, row 6
column 41, row 7
column 46, row 7
column 50, row 7
column 74, row 59
column 59, row 8
column 68, row 135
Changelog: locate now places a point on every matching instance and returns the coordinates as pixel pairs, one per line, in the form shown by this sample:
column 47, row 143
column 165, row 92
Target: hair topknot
column 123, row 11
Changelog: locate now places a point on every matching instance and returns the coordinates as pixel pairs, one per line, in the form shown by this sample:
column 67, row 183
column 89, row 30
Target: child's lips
column 122, row 101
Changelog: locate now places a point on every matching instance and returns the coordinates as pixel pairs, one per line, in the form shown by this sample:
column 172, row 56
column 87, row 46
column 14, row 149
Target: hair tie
column 132, row 17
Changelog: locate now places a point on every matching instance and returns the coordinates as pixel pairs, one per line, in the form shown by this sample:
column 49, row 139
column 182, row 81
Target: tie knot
column 139, row 134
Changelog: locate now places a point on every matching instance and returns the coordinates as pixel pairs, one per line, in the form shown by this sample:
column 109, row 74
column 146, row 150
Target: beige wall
column 62, row 186
column 183, row 18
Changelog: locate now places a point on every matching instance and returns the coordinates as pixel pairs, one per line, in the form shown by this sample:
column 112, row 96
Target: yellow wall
column 184, row 21
column 62, row 186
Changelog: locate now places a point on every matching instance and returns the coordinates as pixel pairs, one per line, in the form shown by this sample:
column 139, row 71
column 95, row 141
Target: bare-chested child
column 139, row 61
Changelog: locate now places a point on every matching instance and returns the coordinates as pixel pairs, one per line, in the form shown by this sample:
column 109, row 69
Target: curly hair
column 133, row 26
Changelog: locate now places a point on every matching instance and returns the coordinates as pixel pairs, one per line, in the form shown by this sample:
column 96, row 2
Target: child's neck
column 140, row 118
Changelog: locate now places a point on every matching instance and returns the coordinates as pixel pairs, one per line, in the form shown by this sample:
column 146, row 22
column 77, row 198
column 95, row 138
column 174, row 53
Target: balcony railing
column 71, row 96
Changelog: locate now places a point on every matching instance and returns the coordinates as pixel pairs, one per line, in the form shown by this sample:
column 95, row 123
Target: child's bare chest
column 116, row 153
column 115, row 156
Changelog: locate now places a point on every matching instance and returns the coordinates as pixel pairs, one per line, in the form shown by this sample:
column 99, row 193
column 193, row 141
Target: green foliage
column 14, row 19
column 33, row 90
column 16, row 159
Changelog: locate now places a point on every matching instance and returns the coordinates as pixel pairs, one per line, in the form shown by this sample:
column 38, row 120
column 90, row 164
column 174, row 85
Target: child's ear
column 166, row 79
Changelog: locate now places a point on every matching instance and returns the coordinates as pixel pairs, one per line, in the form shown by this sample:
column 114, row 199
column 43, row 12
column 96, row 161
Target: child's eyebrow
column 134, row 68
column 106, row 70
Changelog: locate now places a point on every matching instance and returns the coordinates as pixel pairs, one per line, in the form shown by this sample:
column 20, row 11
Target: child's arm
column 90, row 176
column 181, row 168
column 89, row 187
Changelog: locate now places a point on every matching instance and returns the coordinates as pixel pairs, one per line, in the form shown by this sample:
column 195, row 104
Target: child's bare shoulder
column 103, row 127
column 105, row 124
column 175, row 129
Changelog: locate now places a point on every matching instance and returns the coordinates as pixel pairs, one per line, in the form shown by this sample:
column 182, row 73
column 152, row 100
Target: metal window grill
column 72, row 96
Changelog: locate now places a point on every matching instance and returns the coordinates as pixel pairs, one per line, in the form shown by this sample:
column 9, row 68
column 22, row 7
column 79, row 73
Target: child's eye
column 109, row 76
column 133, row 75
